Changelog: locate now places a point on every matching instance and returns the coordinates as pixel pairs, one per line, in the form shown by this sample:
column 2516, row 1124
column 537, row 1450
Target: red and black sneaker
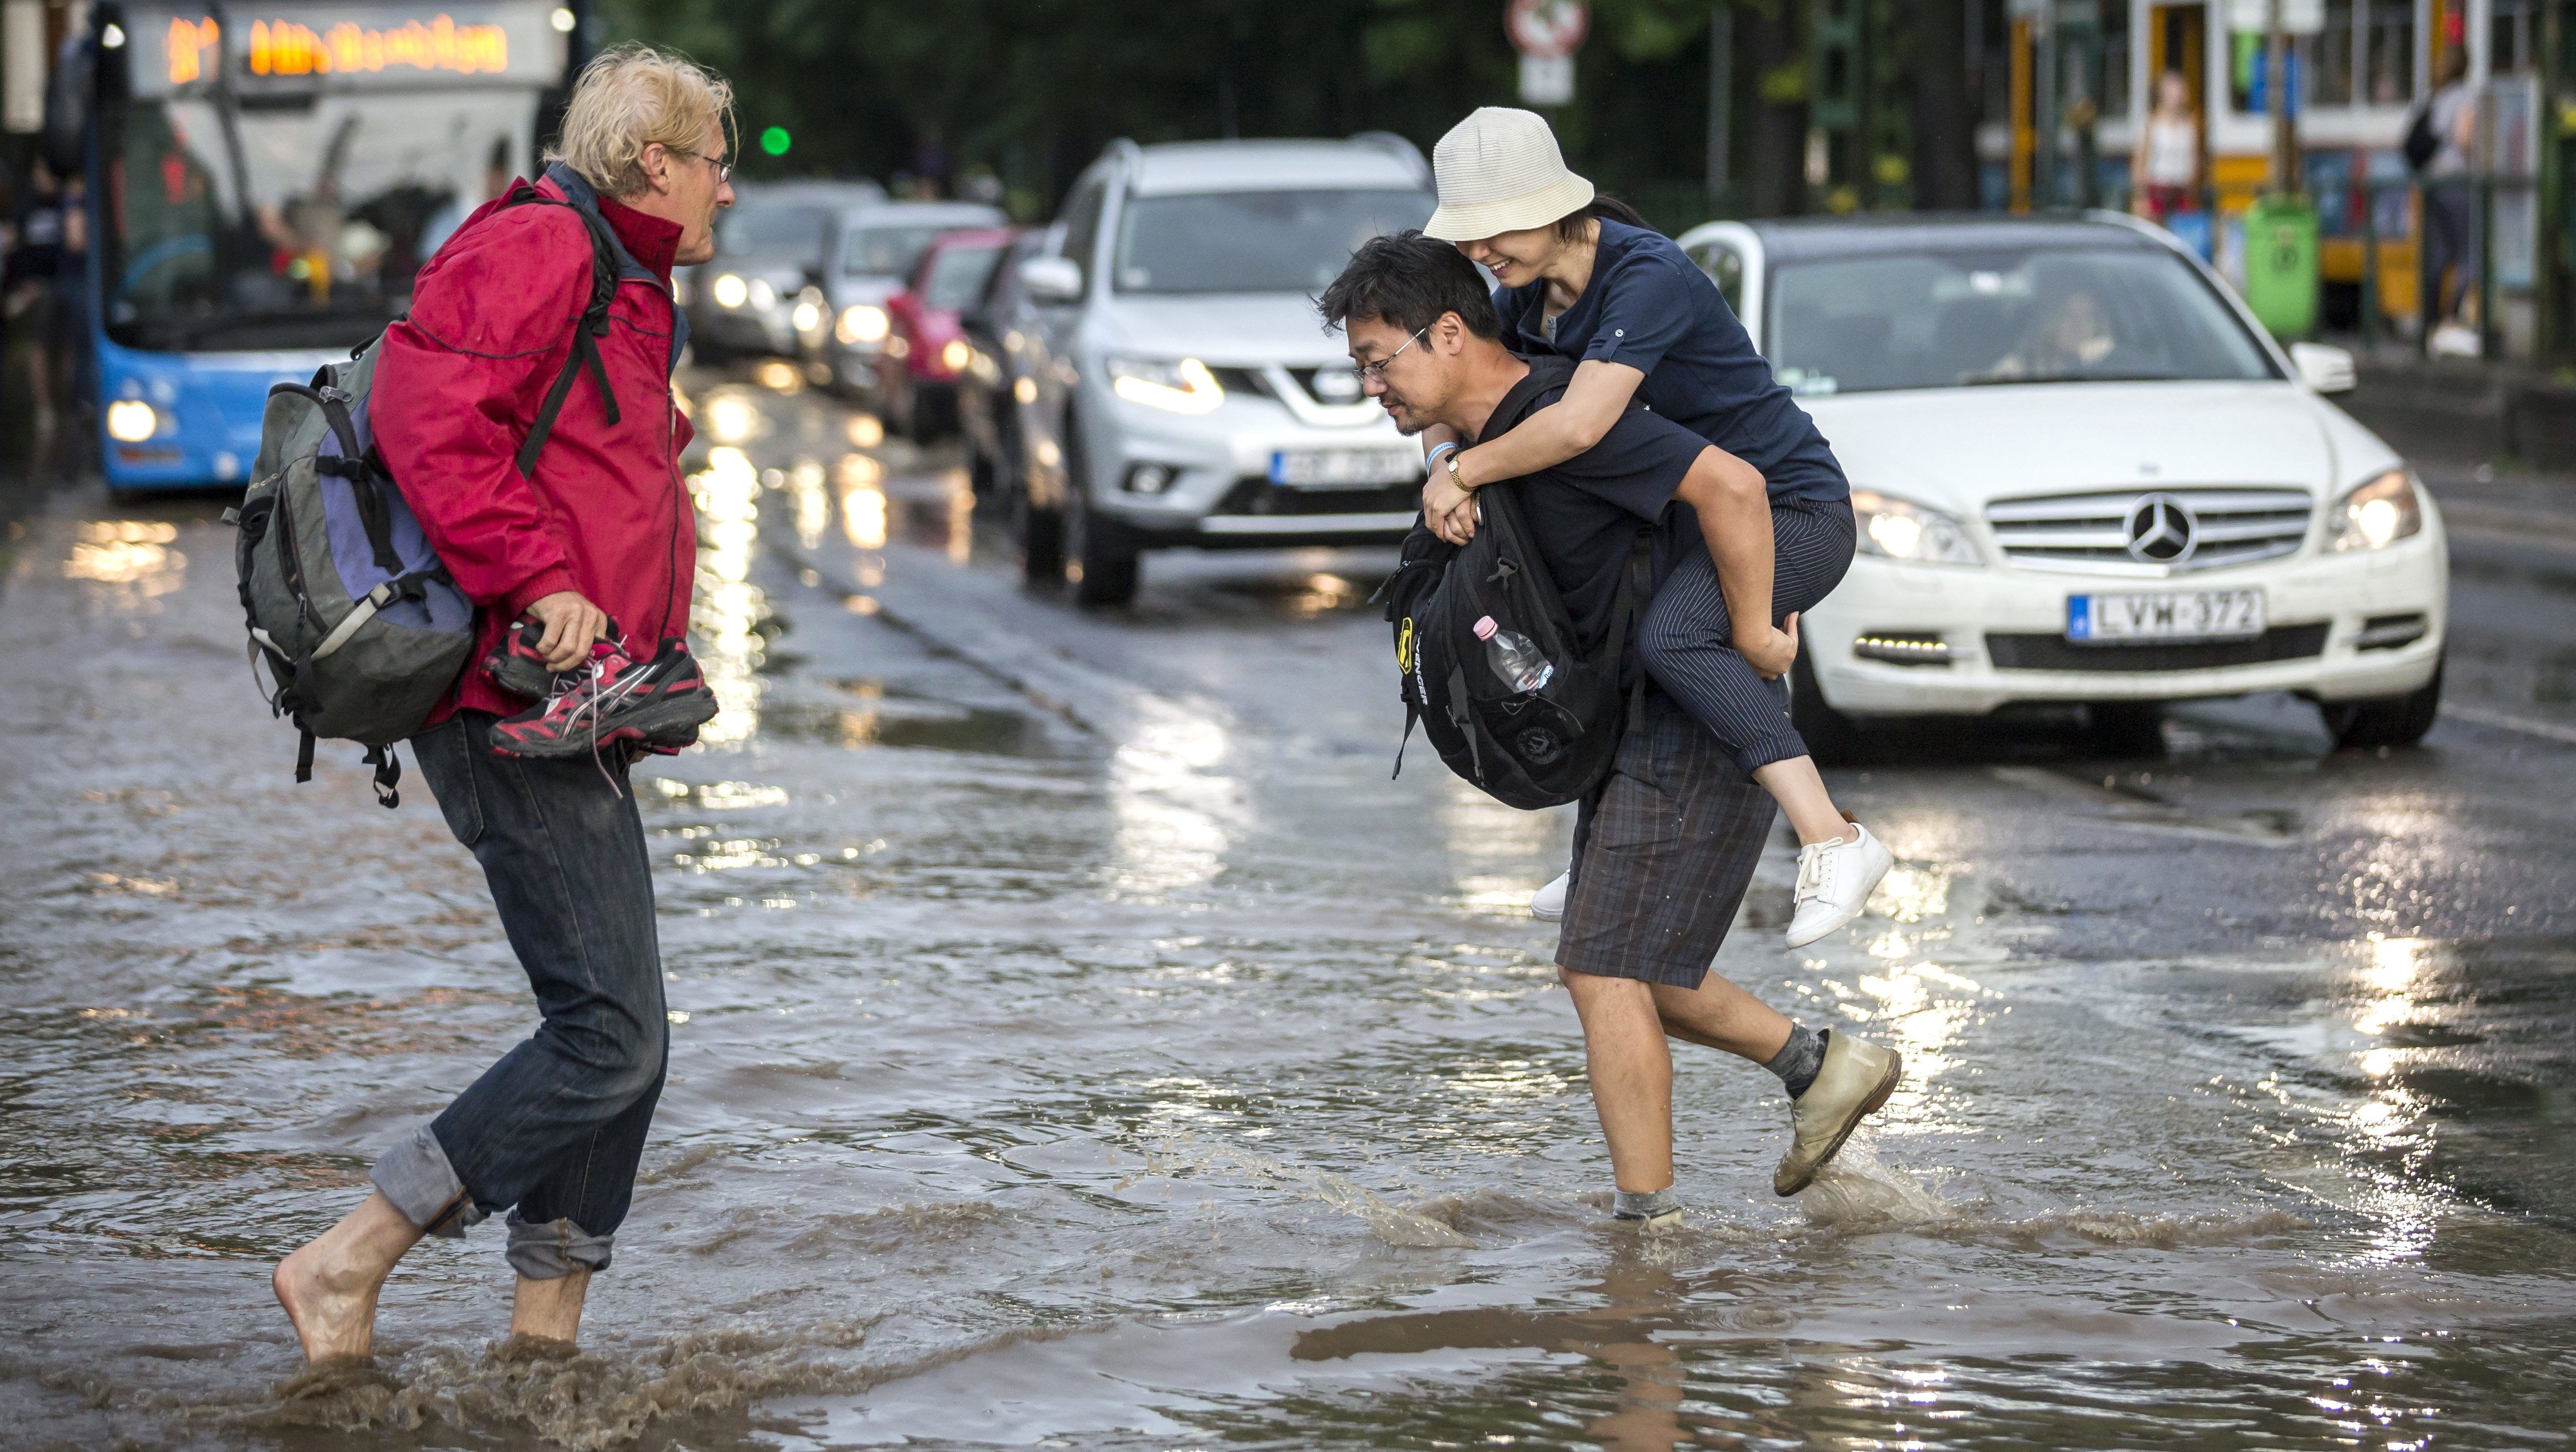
column 615, row 698
column 516, row 666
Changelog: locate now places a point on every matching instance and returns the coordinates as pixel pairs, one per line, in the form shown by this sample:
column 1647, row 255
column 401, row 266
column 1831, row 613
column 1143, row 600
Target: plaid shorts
column 1663, row 851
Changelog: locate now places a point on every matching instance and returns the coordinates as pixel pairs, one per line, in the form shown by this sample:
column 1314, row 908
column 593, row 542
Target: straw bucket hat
column 1499, row 171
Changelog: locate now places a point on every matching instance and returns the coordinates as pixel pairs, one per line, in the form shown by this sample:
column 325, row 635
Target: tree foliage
column 1030, row 90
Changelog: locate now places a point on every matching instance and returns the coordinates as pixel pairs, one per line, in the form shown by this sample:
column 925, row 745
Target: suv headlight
column 2376, row 515
column 1900, row 529
column 861, row 323
column 1183, row 387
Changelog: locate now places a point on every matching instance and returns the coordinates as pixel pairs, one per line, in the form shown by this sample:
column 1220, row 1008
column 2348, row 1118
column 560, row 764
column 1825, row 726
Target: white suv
column 1203, row 402
column 2084, row 475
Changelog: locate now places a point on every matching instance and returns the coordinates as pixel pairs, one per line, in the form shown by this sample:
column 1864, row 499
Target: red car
column 926, row 346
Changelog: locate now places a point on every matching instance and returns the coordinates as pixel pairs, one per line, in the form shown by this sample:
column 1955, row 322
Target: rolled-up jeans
column 553, row 1131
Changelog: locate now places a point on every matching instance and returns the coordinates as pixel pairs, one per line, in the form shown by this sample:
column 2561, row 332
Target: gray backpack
column 355, row 620
column 352, row 614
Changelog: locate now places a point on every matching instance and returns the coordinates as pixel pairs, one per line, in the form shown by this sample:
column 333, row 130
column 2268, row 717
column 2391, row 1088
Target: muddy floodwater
column 1079, row 1041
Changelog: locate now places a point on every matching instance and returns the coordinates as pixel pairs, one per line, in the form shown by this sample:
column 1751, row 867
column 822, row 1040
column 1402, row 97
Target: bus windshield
column 251, row 198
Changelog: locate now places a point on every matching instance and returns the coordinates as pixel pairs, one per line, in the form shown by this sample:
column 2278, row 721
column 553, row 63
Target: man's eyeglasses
column 724, row 169
column 1376, row 372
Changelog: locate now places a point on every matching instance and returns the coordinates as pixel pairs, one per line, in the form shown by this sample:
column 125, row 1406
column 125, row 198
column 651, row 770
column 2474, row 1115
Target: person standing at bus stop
column 600, row 530
column 2451, row 208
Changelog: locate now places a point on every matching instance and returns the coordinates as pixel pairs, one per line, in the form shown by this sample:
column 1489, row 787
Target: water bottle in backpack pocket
column 1515, row 657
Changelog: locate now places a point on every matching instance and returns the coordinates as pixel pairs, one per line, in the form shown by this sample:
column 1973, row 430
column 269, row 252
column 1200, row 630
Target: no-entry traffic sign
column 1547, row 29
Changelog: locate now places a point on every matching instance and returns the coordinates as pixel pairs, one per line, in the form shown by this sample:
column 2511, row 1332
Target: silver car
column 1204, row 403
column 875, row 250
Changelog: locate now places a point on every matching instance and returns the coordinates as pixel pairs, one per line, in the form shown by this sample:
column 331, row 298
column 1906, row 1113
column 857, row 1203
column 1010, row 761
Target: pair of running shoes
column 612, row 701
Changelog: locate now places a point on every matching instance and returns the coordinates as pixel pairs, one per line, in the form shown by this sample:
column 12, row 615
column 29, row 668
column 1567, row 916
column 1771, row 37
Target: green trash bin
column 2281, row 264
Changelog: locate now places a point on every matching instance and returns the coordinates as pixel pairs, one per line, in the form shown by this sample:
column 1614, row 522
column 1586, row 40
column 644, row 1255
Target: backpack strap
column 388, row 775
column 1636, row 585
column 586, row 334
column 1463, row 715
column 355, row 464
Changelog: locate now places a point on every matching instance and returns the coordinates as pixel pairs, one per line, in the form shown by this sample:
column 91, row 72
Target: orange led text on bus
column 286, row 48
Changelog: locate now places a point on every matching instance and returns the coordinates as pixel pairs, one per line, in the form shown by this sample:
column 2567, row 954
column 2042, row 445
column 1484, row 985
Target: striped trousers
column 1688, row 647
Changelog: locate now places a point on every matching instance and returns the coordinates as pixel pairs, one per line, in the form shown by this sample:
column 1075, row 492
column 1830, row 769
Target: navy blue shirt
column 1650, row 307
column 1612, row 490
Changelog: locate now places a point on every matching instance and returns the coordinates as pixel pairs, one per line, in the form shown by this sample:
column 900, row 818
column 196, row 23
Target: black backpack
column 1541, row 748
column 2421, row 144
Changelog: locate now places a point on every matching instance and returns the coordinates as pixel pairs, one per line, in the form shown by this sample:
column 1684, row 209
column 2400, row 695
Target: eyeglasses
column 724, row 169
column 1376, row 372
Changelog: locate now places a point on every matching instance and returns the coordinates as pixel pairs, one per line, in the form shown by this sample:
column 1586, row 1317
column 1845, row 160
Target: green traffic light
column 775, row 141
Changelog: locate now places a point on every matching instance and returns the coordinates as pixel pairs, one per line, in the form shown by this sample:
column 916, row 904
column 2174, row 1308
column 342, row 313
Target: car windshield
column 957, row 278
column 782, row 229
column 289, row 225
column 888, row 251
column 1254, row 241
column 1949, row 318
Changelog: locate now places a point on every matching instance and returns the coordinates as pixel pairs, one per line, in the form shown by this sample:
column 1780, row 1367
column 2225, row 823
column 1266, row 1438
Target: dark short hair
column 1602, row 208
column 1410, row 280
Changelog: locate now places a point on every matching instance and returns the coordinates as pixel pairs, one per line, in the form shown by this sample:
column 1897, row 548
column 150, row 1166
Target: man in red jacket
column 599, row 529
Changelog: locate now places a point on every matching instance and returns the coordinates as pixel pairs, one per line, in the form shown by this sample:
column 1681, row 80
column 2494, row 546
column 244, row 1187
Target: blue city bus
column 264, row 181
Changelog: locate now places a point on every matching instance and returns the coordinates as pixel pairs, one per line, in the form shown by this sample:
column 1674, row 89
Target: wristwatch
column 1459, row 484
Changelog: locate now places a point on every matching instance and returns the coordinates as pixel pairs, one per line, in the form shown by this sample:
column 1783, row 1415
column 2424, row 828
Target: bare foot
column 550, row 1310
column 334, row 1311
column 329, row 1287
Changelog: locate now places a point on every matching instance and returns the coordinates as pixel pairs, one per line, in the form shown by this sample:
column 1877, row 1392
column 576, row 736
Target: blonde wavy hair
column 632, row 96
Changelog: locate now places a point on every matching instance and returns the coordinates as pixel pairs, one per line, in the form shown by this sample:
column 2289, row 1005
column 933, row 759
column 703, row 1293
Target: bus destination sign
column 348, row 46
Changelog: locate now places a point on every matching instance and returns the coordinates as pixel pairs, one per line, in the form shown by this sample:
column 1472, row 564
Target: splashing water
column 1861, row 1191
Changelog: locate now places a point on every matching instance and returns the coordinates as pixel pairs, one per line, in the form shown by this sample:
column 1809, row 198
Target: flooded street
column 1078, row 1041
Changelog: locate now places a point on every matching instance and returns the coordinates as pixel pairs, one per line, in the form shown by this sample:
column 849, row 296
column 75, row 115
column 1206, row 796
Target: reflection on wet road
column 1078, row 1041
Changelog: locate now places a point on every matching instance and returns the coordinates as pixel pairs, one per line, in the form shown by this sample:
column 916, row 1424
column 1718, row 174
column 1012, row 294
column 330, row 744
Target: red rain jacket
column 459, row 382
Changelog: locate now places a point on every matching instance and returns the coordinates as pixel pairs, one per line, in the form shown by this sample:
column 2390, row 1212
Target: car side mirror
column 2324, row 368
column 1052, row 279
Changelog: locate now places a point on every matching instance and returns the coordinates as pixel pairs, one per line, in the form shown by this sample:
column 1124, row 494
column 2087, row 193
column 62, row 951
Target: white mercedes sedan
column 2083, row 474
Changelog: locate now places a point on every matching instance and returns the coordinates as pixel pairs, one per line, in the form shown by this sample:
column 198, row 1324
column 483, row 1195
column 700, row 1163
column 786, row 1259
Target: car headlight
column 131, row 421
column 2376, row 515
column 861, row 323
column 763, row 296
column 809, row 314
column 729, row 290
column 1183, row 387
column 1899, row 529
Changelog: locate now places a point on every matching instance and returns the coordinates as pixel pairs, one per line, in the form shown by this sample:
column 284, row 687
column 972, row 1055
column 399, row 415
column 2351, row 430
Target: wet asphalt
column 1080, row 1041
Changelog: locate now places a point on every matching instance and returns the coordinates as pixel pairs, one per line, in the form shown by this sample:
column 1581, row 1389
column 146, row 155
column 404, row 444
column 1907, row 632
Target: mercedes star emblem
column 2162, row 530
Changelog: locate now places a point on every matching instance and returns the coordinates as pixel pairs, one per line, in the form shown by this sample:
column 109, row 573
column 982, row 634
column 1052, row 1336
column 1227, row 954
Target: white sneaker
column 1548, row 903
column 1834, row 879
column 2454, row 340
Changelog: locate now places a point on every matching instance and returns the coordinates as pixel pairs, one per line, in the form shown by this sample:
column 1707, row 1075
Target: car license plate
column 2165, row 615
column 1345, row 468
